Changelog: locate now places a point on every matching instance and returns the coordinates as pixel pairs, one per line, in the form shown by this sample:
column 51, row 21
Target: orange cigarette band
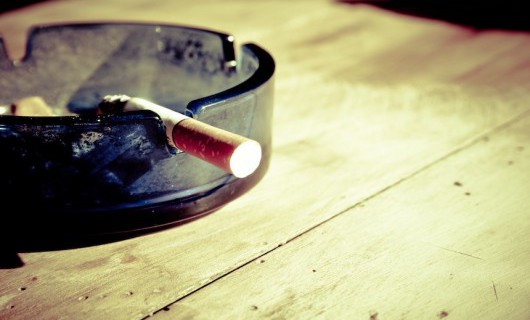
column 231, row 152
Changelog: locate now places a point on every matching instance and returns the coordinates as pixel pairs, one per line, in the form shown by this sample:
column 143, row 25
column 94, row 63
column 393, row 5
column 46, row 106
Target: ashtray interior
column 116, row 173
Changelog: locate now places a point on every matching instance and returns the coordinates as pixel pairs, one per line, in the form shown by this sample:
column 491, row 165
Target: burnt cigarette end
column 112, row 104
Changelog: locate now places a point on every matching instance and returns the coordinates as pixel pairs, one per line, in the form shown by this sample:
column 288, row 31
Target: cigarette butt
column 34, row 106
column 231, row 152
column 5, row 110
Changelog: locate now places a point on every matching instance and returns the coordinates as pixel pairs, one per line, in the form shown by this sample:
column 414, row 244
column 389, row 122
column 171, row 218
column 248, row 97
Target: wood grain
column 451, row 241
column 370, row 105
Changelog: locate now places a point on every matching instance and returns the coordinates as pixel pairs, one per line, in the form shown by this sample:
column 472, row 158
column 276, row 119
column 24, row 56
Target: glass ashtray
column 81, row 172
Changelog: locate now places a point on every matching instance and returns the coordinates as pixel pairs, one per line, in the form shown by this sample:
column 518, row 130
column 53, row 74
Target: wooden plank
column 344, row 129
column 451, row 242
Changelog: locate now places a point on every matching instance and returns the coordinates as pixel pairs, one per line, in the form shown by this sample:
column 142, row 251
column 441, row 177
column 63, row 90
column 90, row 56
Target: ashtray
column 83, row 172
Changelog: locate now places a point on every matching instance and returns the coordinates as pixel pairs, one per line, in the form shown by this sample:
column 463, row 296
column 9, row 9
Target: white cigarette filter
column 233, row 153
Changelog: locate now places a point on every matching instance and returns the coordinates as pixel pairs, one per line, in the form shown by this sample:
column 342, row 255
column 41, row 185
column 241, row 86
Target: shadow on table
column 507, row 15
column 14, row 241
column 17, row 4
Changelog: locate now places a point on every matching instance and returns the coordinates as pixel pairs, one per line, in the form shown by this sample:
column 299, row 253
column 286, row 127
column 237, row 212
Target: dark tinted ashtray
column 80, row 172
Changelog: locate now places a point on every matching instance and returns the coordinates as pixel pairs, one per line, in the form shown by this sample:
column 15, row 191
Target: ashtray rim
column 261, row 77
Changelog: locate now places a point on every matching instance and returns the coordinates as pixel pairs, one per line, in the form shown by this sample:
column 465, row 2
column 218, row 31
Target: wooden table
column 398, row 188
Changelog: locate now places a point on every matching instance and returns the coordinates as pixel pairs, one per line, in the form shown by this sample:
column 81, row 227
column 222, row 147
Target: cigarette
column 231, row 152
column 34, row 106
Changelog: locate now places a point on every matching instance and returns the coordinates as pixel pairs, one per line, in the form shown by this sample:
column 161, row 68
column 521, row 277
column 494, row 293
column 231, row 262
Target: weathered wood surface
column 451, row 241
column 377, row 115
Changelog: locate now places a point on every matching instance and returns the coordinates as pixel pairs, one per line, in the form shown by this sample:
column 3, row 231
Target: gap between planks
column 456, row 150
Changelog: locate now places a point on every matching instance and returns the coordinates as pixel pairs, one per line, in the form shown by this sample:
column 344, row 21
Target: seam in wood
column 462, row 253
column 463, row 146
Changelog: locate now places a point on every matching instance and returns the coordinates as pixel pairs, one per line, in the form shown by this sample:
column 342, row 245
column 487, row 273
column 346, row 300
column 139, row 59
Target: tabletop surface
column 398, row 185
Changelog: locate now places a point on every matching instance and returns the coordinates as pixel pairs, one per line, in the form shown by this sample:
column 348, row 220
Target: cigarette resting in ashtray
column 231, row 152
